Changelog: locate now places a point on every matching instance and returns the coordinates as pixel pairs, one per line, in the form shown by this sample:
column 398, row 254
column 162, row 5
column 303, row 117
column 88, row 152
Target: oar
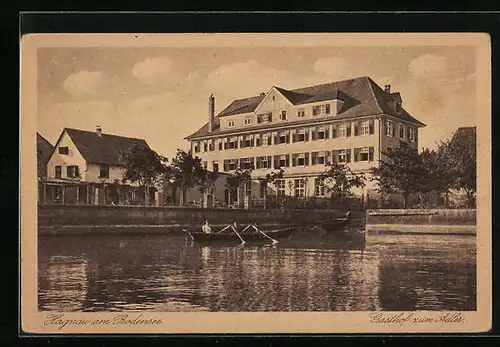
column 248, row 226
column 263, row 233
column 185, row 230
column 242, row 241
column 229, row 226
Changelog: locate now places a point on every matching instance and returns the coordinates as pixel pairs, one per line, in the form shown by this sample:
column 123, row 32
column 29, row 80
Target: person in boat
column 206, row 228
column 236, row 227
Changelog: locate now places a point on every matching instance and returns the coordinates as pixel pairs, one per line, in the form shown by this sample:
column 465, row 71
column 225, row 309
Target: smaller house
column 44, row 150
column 85, row 167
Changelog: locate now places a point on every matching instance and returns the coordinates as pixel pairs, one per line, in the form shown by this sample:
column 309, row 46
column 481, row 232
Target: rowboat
column 336, row 225
column 246, row 236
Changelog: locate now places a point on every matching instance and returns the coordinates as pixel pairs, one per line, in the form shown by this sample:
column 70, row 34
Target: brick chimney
column 98, row 131
column 387, row 88
column 211, row 111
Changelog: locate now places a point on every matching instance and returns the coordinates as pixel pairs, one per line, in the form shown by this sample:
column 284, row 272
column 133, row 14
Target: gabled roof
column 361, row 97
column 44, row 146
column 104, row 149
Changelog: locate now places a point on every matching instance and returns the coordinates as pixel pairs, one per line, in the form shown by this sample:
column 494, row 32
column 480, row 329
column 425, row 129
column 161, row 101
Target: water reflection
column 168, row 273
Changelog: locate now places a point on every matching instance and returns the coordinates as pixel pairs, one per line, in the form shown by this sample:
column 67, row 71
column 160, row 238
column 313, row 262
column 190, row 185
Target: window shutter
column 68, row 171
column 327, row 108
column 335, row 131
column 372, row 126
column 416, row 134
column 393, row 129
column 242, row 145
column 348, row 155
column 306, row 156
column 385, row 128
column 225, row 165
column 326, row 134
column 294, row 159
column 313, row 135
column 335, row 158
column 287, row 160
column 258, row 163
column 269, row 163
column 356, row 129
column 236, row 144
column 270, row 117
column 77, row 171
column 225, row 145
column 306, row 137
column 370, row 155
column 348, row 129
column 276, row 162
column 407, row 133
column 287, row 138
column 252, row 162
column 294, row 137
column 356, row 154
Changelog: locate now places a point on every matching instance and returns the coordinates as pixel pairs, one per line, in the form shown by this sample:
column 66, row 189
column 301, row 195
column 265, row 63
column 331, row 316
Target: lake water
column 169, row 273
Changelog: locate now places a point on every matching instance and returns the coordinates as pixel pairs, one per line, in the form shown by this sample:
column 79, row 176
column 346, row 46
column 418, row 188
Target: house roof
column 106, row 149
column 361, row 96
column 44, row 146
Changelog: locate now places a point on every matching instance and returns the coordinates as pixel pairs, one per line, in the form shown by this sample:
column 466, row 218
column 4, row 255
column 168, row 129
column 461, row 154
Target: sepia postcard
column 255, row 183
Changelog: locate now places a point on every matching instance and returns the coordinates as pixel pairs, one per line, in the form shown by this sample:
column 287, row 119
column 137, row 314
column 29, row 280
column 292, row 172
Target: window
column 246, row 163
column 231, row 143
column 230, row 123
column 401, row 131
column 247, row 142
column 365, row 127
column 319, row 187
column 389, row 129
column 282, row 137
column 283, row 115
column 266, row 140
column 342, row 155
column 215, row 165
column 411, row 134
column 280, row 187
column 319, row 158
column 104, row 171
column 229, row 164
column 205, row 146
column 301, row 112
column 58, row 171
column 281, row 161
column 220, row 145
column 196, row 147
column 73, row 171
column 64, row 150
column 248, row 121
column 265, row 117
column 263, row 162
column 300, row 159
column 320, row 133
column 299, row 187
column 321, row 109
column 343, row 130
column 211, row 146
column 363, row 154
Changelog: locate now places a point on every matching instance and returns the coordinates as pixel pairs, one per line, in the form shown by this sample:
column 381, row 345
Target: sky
column 161, row 94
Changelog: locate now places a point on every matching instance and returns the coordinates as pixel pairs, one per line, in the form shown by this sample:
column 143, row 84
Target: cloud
column 83, row 82
column 244, row 79
column 152, row 69
column 428, row 66
column 334, row 68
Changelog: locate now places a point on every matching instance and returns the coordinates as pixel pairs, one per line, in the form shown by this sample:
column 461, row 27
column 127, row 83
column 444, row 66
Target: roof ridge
column 329, row 83
column 106, row 134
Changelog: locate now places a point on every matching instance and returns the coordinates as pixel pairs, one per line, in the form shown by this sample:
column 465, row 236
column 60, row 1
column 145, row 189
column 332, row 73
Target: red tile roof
column 361, row 96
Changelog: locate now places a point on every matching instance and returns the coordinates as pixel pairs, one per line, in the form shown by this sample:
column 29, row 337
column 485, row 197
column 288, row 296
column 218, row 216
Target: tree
column 339, row 179
column 438, row 169
column 237, row 179
column 401, row 172
column 270, row 177
column 187, row 171
column 144, row 166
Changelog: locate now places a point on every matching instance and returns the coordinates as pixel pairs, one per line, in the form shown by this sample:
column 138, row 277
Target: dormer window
column 230, row 124
column 104, row 171
column 321, row 109
column 64, row 150
column 301, row 112
column 248, row 121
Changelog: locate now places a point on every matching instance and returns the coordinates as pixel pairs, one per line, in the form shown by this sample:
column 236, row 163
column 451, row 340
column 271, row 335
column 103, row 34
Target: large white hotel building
column 350, row 121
